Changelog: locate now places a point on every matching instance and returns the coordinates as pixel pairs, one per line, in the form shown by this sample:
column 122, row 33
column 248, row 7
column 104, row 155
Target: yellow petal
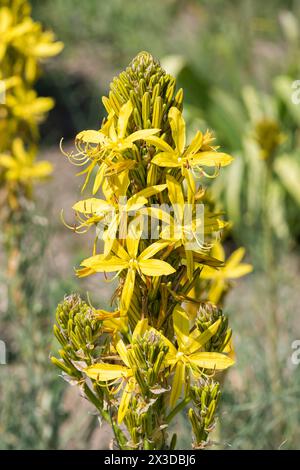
column 141, row 135
column 109, row 236
column 160, row 144
column 151, row 250
column 238, row 271
column 116, row 324
column 210, row 360
column 196, row 143
column 99, row 178
column 119, row 251
column 40, row 170
column 181, row 326
column 210, row 158
column 178, row 382
column 92, row 206
column 122, row 351
column 229, row 349
column 112, row 133
column 166, row 159
column 176, row 197
column 101, row 264
column 150, row 191
column 218, row 251
column 91, row 137
column 105, row 372
column 19, row 150
column 141, row 327
column 84, row 272
column 156, row 214
column 171, row 354
column 6, row 19
column 155, row 267
column 42, row 50
column 89, row 172
column 133, row 239
column 200, row 339
column 209, row 273
column 124, row 115
column 135, row 203
column 127, row 291
column 125, row 400
column 236, row 257
column 178, row 128
column 7, row 161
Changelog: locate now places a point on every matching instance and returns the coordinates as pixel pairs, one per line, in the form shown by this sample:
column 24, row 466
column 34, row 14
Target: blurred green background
column 237, row 61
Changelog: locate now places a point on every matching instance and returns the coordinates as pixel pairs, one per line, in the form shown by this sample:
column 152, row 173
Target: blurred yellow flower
column 21, row 165
column 233, row 269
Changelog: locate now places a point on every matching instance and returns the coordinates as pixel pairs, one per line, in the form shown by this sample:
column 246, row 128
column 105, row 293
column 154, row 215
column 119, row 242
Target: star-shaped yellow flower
column 187, row 158
column 143, row 264
column 21, row 165
column 233, row 269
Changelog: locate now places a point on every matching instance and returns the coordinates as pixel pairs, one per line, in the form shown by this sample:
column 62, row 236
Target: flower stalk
column 149, row 358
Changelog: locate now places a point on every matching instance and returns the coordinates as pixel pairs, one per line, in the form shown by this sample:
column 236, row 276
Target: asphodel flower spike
column 148, row 353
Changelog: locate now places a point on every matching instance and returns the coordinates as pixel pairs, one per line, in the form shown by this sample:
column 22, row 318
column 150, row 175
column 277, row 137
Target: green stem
column 177, row 409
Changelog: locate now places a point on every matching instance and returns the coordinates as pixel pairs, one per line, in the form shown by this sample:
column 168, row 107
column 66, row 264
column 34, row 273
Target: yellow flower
column 233, row 269
column 189, row 354
column 115, row 209
column 10, row 31
column 27, row 38
column 144, row 264
column 184, row 230
column 186, row 158
column 27, row 106
column 110, row 373
column 113, row 137
column 109, row 142
column 21, row 165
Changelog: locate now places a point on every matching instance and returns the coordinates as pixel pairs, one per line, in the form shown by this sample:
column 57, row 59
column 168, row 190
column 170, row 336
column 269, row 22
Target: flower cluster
column 23, row 45
column 153, row 354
